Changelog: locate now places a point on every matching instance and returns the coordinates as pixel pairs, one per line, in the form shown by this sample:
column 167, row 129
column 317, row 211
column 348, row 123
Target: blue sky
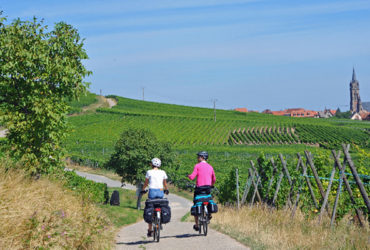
column 244, row 53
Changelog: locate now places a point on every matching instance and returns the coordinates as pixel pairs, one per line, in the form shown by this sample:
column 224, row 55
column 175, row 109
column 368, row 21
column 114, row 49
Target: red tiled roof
column 278, row 112
column 241, row 110
column 365, row 115
column 295, row 109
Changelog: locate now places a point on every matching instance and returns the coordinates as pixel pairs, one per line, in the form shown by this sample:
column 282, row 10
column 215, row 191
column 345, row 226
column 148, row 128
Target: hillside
column 232, row 141
column 183, row 125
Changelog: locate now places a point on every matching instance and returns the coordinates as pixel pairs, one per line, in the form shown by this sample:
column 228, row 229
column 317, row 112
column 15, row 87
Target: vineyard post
column 308, row 182
column 348, row 187
column 255, row 185
column 214, row 108
column 247, row 185
column 285, row 169
column 274, row 170
column 256, row 190
column 258, row 182
column 327, row 193
column 339, row 189
column 357, row 178
column 300, row 163
column 237, row 186
column 277, row 187
column 316, row 176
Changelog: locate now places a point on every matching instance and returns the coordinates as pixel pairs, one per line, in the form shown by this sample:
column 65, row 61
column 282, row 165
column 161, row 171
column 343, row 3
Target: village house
column 293, row 112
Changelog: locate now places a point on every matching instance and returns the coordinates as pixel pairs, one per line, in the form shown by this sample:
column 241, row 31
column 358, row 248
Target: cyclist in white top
column 156, row 180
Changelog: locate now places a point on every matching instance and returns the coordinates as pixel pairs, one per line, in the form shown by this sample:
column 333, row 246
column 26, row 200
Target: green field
column 234, row 140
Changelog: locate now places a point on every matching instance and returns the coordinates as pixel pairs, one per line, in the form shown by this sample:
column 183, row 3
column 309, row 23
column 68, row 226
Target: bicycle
column 157, row 226
column 157, row 220
column 204, row 217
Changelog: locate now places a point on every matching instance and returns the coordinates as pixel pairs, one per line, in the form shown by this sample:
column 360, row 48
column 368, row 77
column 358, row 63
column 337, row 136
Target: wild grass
column 42, row 214
column 262, row 228
column 126, row 213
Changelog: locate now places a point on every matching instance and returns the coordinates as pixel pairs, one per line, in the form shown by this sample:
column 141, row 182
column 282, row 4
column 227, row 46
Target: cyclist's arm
column 194, row 174
column 145, row 184
column 165, row 184
column 213, row 177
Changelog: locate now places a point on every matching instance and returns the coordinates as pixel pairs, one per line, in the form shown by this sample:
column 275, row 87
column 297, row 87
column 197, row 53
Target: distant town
column 358, row 110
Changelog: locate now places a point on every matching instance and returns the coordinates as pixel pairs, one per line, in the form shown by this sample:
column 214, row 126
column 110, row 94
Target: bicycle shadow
column 141, row 242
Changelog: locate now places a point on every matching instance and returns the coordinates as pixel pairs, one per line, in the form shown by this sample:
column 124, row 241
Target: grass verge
column 262, row 228
column 43, row 214
column 126, row 213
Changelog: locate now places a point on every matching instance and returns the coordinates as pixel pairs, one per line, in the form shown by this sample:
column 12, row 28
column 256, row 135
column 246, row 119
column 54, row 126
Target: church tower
column 355, row 105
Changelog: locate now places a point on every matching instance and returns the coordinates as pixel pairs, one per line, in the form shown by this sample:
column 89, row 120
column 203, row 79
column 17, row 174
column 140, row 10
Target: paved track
column 175, row 235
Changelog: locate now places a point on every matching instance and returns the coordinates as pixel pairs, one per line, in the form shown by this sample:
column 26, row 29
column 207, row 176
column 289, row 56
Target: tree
column 39, row 72
column 345, row 115
column 133, row 152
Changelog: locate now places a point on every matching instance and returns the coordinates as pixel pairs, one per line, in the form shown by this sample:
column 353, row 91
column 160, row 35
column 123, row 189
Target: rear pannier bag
column 148, row 214
column 198, row 208
column 156, row 202
column 193, row 210
column 212, row 207
column 202, row 198
column 166, row 214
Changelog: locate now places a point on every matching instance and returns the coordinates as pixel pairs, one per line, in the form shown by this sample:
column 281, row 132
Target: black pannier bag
column 212, row 207
column 198, row 208
column 114, row 199
column 148, row 213
column 156, row 202
column 193, row 210
column 166, row 214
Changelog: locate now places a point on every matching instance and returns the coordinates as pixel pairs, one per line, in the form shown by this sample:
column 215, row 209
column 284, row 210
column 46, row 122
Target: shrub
column 133, row 153
column 93, row 191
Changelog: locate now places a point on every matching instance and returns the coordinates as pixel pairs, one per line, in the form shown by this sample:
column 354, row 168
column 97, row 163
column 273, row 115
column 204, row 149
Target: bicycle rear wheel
column 158, row 230
column 205, row 223
column 155, row 229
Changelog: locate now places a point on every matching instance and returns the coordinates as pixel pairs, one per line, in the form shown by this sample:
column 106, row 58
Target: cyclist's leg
column 196, row 226
column 196, row 220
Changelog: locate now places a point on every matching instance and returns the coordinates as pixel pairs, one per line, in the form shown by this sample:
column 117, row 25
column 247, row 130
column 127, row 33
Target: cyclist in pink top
column 206, row 178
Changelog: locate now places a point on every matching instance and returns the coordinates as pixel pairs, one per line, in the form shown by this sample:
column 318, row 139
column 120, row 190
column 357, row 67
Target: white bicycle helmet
column 156, row 162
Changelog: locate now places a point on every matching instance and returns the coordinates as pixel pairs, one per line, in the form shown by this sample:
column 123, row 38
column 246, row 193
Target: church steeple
column 355, row 104
column 354, row 75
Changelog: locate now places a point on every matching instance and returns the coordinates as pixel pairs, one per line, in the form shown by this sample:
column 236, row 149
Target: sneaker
column 196, row 228
column 149, row 234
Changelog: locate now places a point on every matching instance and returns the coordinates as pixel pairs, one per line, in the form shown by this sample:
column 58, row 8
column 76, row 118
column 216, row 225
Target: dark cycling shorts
column 202, row 190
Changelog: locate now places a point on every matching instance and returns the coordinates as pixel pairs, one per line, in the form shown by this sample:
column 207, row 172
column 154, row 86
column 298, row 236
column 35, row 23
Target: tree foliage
column 39, row 71
column 345, row 114
column 133, row 152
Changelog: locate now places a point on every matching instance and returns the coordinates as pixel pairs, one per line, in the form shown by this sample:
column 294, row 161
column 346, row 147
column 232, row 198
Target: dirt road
column 175, row 235
column 3, row 132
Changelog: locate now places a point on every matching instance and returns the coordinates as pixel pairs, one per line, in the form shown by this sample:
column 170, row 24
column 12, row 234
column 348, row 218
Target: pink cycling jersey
column 204, row 173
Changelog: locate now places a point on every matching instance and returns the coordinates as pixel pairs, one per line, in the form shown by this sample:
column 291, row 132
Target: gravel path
column 111, row 102
column 175, row 235
column 3, row 133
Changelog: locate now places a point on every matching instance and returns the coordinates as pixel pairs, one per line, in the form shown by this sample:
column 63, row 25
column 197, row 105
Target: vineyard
column 326, row 136
column 234, row 140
